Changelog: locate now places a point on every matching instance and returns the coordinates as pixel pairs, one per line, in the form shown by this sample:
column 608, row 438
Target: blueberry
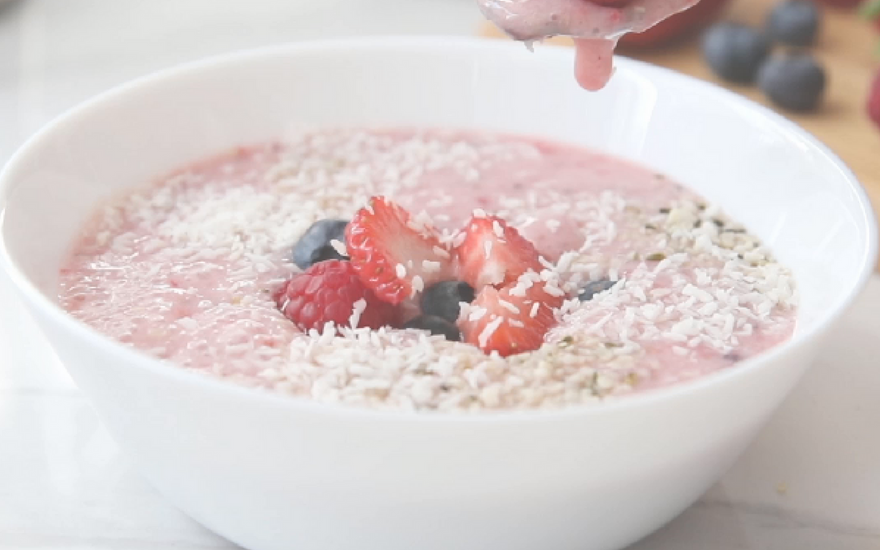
column 794, row 22
column 595, row 287
column 793, row 81
column 314, row 246
column 443, row 299
column 435, row 325
column 735, row 51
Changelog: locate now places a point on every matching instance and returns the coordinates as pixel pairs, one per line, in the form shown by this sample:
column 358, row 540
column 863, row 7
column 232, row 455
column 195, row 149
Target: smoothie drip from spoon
column 596, row 28
column 593, row 65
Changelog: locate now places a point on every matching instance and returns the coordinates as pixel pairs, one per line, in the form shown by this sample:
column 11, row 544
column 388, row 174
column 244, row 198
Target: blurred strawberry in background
column 700, row 16
column 842, row 3
column 681, row 24
column 870, row 9
column 874, row 100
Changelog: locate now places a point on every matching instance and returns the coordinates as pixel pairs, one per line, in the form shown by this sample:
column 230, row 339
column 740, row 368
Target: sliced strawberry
column 493, row 253
column 511, row 320
column 395, row 256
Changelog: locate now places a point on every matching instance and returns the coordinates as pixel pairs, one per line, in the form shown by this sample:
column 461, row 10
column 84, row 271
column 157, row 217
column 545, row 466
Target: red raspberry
column 874, row 100
column 328, row 291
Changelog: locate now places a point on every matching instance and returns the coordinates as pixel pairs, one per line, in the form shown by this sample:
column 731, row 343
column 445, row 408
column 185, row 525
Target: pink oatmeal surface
column 184, row 270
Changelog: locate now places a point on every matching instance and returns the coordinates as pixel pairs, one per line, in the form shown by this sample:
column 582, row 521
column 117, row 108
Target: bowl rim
column 134, row 358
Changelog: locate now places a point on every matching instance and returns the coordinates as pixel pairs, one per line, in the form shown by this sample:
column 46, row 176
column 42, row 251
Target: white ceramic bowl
column 274, row 473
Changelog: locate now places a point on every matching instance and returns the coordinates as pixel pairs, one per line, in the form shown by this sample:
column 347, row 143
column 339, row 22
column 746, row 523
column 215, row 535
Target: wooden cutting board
column 847, row 46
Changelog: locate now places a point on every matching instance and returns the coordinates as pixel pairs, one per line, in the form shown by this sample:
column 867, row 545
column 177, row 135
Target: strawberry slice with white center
column 513, row 319
column 493, row 253
column 395, row 255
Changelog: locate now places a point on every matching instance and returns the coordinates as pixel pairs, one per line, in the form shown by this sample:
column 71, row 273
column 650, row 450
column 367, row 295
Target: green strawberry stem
column 870, row 10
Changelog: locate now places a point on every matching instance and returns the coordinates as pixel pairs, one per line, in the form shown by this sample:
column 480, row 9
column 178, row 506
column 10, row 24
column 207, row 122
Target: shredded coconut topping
column 186, row 270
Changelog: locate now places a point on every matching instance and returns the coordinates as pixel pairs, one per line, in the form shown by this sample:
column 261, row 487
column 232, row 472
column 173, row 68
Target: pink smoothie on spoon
column 595, row 27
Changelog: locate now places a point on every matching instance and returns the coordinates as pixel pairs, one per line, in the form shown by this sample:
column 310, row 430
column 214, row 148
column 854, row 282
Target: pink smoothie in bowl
column 590, row 278
column 624, row 341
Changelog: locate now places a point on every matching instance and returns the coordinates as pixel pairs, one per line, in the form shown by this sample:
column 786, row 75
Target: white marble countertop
column 811, row 480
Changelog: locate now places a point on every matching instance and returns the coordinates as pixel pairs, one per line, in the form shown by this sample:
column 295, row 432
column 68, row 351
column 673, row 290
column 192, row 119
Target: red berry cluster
column 393, row 257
